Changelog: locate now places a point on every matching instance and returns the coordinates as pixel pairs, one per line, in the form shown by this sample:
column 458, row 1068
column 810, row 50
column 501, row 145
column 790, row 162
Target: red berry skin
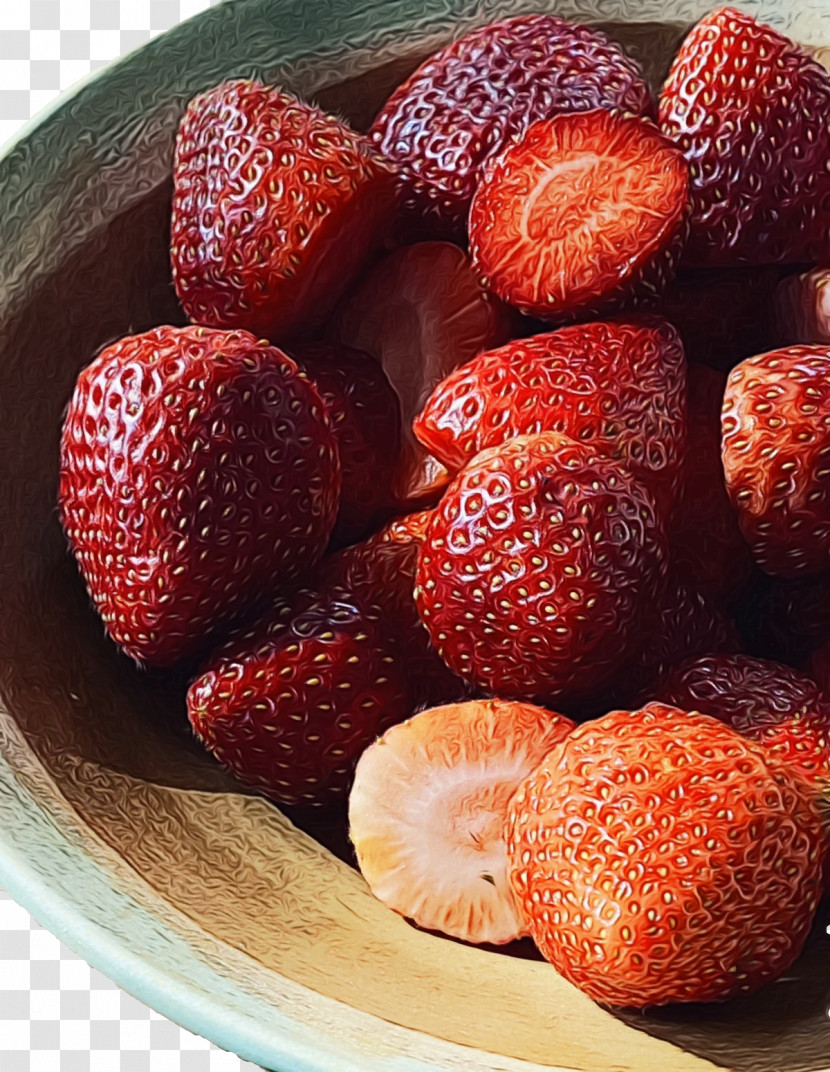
column 289, row 705
column 382, row 570
column 366, row 419
column 802, row 308
column 747, row 107
column 776, row 457
column 786, row 620
column 536, row 567
column 276, row 208
column 582, row 217
column 619, row 385
column 198, row 470
column 421, row 312
column 660, row 858
column 706, row 542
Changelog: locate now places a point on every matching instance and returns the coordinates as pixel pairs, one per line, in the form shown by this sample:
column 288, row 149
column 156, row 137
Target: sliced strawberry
column 421, row 312
column 276, row 207
column 584, row 213
column 776, row 457
column 619, row 385
column 428, row 807
column 748, row 108
column 382, row 570
column 802, row 308
column 706, row 542
column 366, row 421
column 465, row 102
column 289, row 705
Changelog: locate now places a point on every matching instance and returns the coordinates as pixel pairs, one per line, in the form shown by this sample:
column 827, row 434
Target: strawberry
column 366, row 420
column 198, row 469
column 802, row 308
column 747, row 108
column 659, row 857
column 421, row 312
column 618, row 385
column 276, row 207
column 776, row 456
column 289, row 704
column 536, row 566
column 706, row 542
column 582, row 215
column 382, row 570
column 427, row 812
column 780, row 708
column 465, row 102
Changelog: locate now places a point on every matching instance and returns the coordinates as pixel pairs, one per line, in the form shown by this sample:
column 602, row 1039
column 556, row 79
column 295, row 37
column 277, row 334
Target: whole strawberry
column 659, row 857
column 582, row 216
column 276, row 207
column 802, row 308
column 748, row 108
column 536, row 567
column 366, row 420
column 776, row 457
column 619, row 385
column 465, row 102
column 289, row 705
column 198, row 468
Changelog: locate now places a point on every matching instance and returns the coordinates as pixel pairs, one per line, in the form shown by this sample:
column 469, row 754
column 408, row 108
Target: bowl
column 243, row 923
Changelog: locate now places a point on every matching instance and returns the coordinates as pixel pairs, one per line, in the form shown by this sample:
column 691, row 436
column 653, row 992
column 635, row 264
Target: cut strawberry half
column 427, row 811
column 583, row 213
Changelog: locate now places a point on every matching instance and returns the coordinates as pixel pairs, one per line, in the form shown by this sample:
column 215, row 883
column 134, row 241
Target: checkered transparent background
column 56, row 1013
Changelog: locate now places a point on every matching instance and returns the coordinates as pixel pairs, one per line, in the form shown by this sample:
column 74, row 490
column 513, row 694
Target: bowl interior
column 83, row 259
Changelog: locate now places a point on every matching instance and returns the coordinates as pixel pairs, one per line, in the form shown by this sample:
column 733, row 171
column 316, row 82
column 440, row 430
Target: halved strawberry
column 584, row 213
column 421, row 312
column 428, row 807
column 466, row 101
column 749, row 110
column 276, row 207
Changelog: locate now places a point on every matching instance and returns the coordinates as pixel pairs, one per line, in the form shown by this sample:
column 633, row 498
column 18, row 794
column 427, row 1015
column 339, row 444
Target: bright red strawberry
column 706, row 542
column 776, row 457
column 722, row 315
column 748, row 108
column 198, row 470
column 802, row 308
column 276, row 207
column 619, row 385
column 585, row 213
column 382, row 569
column 464, row 103
column 537, row 565
column 366, row 419
column 421, row 312
column 427, row 811
column 659, row 857
column 289, row 705
column 780, row 708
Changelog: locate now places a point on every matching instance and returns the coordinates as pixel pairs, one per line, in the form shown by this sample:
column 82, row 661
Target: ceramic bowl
column 116, row 831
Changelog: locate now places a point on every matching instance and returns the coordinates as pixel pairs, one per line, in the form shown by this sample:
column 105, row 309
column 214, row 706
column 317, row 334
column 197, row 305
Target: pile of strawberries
column 489, row 489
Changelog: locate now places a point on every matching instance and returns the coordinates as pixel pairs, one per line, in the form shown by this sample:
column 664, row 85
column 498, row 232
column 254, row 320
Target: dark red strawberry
column 276, row 207
column 289, row 705
column 366, row 419
column 722, row 315
column 198, row 469
column 748, row 108
column 820, row 666
column 618, row 385
column 584, row 214
column 785, row 620
column 661, row 858
column 706, row 542
column 537, row 566
column 780, row 708
column 776, row 457
column 465, row 102
column 802, row 308
column 421, row 312
column 382, row 570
